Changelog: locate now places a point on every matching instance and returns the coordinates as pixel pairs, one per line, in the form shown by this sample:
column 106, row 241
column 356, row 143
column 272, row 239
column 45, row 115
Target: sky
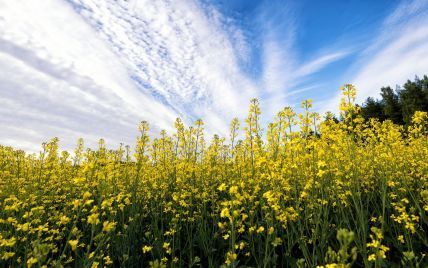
column 96, row 68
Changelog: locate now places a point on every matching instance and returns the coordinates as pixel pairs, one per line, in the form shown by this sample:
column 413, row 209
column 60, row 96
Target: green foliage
column 373, row 109
column 400, row 105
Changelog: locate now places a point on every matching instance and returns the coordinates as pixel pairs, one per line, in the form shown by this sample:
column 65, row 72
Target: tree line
column 400, row 104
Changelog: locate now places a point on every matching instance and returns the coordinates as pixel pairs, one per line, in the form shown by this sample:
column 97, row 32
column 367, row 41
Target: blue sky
column 95, row 68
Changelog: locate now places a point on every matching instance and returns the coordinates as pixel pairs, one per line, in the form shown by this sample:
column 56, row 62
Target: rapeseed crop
column 307, row 192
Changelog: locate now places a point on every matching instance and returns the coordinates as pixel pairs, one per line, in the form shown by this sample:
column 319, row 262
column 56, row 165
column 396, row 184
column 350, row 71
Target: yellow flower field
column 306, row 192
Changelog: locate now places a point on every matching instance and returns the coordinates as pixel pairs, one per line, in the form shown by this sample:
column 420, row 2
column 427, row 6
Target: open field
column 306, row 192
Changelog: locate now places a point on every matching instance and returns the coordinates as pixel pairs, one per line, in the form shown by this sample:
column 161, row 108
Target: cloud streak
column 398, row 53
column 96, row 68
column 284, row 72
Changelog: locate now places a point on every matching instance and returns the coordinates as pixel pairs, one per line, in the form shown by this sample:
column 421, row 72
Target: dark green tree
column 424, row 85
column 373, row 109
column 412, row 99
column 391, row 105
column 399, row 105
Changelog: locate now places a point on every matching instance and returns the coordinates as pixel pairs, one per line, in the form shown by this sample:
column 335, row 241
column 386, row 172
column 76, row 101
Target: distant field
column 305, row 192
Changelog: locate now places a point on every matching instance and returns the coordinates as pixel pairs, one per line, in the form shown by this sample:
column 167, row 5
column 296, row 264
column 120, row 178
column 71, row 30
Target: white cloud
column 406, row 10
column 398, row 53
column 94, row 69
column 317, row 64
column 285, row 75
column 286, row 70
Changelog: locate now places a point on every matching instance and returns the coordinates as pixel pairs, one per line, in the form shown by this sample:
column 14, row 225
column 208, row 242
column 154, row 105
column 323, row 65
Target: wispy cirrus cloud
column 54, row 84
column 398, row 53
column 96, row 68
column 285, row 73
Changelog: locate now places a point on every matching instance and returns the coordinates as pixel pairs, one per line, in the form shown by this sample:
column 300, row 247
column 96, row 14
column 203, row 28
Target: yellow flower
column 64, row 220
column 86, row 195
column 107, row 260
column 76, row 203
column 244, row 183
column 147, row 249
column 222, row 187
column 225, row 213
column 93, row 219
column 230, row 257
column 108, row 226
column 8, row 242
column 79, row 180
column 89, row 202
column 105, row 204
column 31, row 261
column 276, row 242
column 233, row 190
column 25, row 227
column 73, row 244
column 7, row 255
